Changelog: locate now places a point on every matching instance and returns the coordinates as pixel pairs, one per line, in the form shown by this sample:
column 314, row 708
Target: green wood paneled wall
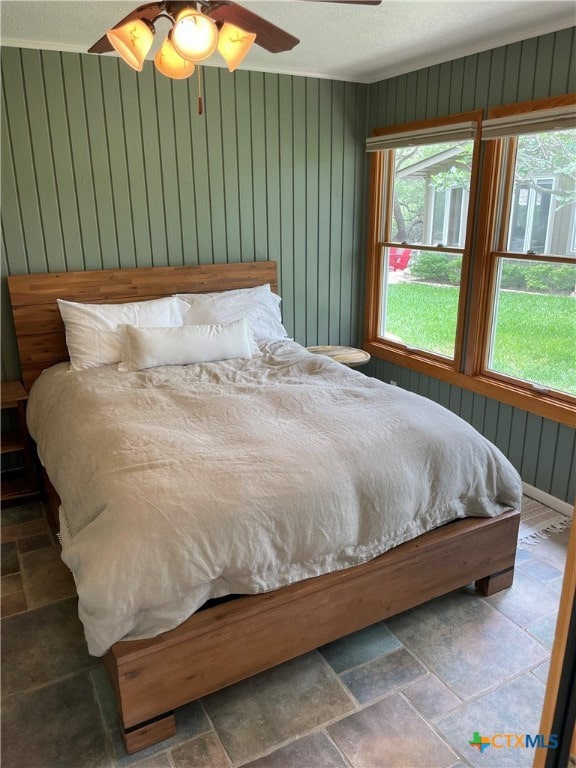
column 544, row 452
column 102, row 167
column 531, row 69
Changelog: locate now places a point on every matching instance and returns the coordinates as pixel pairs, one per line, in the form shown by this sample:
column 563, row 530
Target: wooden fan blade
column 101, row 46
column 268, row 35
column 148, row 12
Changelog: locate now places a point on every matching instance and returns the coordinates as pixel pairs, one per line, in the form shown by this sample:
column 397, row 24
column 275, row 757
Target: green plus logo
column 481, row 742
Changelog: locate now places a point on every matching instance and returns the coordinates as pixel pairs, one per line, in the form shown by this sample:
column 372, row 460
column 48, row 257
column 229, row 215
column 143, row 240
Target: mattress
column 180, row 484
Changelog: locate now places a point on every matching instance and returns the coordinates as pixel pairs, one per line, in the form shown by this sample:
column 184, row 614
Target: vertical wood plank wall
column 544, row 452
column 103, row 167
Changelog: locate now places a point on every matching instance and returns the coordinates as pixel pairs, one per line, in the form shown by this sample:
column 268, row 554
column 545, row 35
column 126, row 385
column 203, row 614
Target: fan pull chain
column 200, row 105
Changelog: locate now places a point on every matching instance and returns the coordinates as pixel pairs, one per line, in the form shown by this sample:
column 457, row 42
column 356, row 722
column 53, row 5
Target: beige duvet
column 184, row 483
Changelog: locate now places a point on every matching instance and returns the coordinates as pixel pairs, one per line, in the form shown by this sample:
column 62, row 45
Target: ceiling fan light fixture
column 132, row 41
column 233, row 44
column 195, row 35
column 169, row 63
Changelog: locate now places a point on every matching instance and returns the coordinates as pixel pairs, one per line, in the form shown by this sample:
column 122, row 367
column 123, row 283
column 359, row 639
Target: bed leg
column 489, row 585
column 144, row 735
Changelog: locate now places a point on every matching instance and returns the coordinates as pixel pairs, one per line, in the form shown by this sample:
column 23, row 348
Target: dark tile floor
column 409, row 692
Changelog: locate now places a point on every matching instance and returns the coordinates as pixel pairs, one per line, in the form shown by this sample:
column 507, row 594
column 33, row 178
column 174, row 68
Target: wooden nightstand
column 349, row 356
column 18, row 484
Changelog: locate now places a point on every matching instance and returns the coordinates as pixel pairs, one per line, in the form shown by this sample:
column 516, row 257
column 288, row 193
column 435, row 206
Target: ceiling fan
column 198, row 29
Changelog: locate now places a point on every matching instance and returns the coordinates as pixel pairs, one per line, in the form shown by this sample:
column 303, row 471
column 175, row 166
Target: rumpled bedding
column 184, row 483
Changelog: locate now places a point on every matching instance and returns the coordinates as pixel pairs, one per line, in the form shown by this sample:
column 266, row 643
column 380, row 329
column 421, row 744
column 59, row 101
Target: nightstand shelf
column 11, row 442
column 18, row 484
column 350, row 356
column 16, row 487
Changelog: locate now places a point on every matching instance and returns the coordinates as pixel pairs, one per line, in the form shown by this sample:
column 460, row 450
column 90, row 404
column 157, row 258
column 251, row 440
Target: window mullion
column 465, row 304
column 531, row 256
column 502, row 213
column 482, row 286
column 420, row 247
column 374, row 260
column 388, row 192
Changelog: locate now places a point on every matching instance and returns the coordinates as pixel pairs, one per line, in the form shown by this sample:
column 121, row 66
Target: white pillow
column 94, row 332
column 151, row 347
column 259, row 305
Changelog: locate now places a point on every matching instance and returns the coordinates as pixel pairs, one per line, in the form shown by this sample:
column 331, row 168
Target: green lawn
column 535, row 335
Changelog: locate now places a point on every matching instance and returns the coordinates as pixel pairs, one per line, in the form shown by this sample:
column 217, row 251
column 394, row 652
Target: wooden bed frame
column 233, row 640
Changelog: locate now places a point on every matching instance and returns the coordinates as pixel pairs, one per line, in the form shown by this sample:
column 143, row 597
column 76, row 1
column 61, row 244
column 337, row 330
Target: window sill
column 538, row 403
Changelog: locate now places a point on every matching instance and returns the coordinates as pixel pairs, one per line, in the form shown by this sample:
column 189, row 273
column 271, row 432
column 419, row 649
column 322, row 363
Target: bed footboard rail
column 222, row 645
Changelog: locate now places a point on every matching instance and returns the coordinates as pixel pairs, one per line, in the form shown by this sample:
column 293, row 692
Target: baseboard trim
column 545, row 498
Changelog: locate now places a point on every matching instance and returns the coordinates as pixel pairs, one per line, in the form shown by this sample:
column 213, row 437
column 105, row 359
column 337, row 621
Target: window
column 532, row 312
column 487, row 297
column 425, row 191
column 533, row 324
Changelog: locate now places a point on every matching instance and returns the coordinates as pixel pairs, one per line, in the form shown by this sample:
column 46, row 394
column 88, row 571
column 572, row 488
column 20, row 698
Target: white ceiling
column 343, row 42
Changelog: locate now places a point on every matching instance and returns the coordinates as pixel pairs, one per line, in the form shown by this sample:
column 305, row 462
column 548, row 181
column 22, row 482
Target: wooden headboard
column 39, row 326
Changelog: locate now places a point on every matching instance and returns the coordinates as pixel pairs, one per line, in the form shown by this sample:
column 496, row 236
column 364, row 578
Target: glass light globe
column 132, row 40
column 233, row 44
column 171, row 64
column 195, row 36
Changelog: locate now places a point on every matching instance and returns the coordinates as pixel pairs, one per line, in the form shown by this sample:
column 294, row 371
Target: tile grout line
column 440, row 736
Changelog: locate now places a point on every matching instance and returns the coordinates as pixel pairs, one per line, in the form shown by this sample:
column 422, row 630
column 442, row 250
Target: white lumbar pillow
column 152, row 347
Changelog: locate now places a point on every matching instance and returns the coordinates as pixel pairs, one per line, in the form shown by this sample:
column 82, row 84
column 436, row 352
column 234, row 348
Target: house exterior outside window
column 532, row 215
column 448, row 221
